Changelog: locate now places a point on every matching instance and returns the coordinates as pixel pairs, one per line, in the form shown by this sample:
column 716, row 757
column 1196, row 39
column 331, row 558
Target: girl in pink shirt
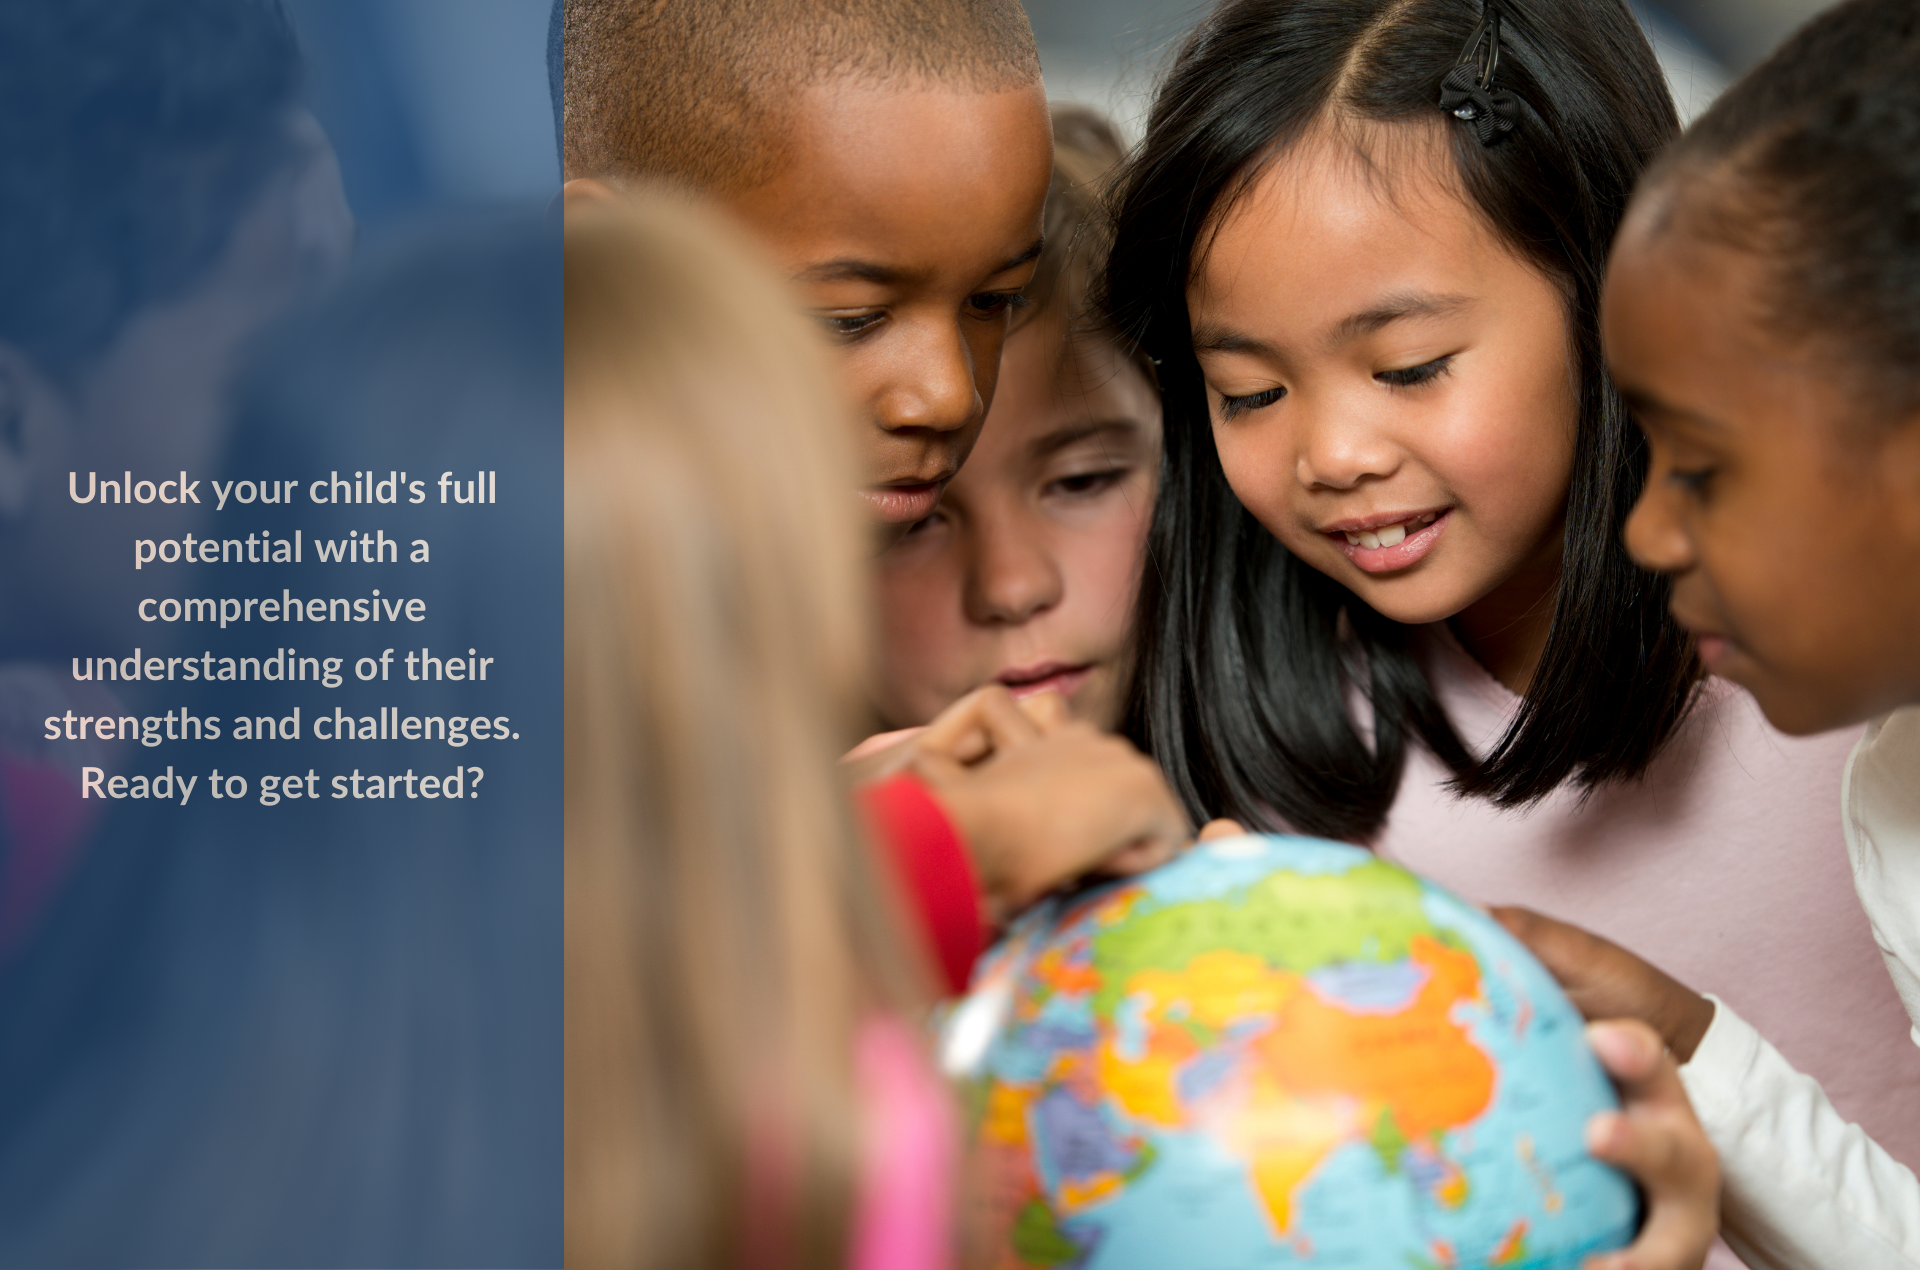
column 1387, row 599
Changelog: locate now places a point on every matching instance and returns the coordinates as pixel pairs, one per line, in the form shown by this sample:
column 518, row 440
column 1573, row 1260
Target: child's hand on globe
column 1607, row 982
column 1647, row 1021
column 1656, row 1139
column 1043, row 799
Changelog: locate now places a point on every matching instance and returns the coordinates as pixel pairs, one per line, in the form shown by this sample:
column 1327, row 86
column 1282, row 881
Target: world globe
column 1280, row 1052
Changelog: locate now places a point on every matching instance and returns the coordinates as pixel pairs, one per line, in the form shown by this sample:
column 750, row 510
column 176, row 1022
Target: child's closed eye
column 1414, row 376
column 994, row 303
column 1234, row 407
column 1697, row 482
column 1087, row 484
column 848, row 326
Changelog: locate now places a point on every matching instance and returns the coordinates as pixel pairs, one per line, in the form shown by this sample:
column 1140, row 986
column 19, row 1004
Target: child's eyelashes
column 1695, row 481
column 994, row 303
column 1233, row 407
column 1403, row 377
column 1414, row 376
column 851, row 325
column 1088, row 484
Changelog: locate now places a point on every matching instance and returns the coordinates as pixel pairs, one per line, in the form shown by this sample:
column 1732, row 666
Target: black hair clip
column 1468, row 93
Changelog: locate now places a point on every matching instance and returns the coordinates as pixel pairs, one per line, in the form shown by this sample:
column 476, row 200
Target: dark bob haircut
column 1246, row 654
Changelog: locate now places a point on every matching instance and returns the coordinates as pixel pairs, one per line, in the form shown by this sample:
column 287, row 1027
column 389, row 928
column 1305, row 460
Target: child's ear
column 32, row 415
column 582, row 191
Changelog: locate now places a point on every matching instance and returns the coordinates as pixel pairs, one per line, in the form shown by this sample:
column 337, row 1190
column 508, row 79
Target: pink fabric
column 43, row 821
column 905, row 1217
column 1726, row 866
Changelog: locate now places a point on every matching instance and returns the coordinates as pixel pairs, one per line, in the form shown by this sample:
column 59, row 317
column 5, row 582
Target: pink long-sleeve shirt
column 1726, row 865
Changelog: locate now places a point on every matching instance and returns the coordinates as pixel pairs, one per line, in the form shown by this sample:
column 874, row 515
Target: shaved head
column 699, row 92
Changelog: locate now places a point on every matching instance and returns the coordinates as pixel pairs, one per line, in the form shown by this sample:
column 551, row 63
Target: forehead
column 1055, row 381
column 1686, row 338
column 1340, row 216
column 891, row 169
column 1681, row 316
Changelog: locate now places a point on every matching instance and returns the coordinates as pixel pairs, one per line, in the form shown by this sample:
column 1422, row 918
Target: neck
column 1506, row 629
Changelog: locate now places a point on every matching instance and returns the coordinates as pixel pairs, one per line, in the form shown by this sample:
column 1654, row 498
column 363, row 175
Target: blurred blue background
column 432, row 104
column 1106, row 53
column 435, row 104
column 251, row 1032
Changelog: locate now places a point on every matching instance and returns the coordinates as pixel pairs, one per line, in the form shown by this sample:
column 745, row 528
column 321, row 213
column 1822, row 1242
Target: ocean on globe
column 1280, row 1052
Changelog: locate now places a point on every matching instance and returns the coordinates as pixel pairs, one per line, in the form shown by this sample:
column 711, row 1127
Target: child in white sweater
column 1763, row 317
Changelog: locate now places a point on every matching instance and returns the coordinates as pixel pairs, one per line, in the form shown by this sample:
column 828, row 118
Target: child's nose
column 1654, row 536
column 934, row 388
column 1011, row 576
column 1338, row 449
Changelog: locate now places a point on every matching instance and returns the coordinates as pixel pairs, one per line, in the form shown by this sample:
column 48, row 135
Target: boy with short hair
column 894, row 160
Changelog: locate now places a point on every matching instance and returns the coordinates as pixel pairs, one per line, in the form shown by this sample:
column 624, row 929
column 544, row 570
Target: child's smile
column 1393, row 396
column 1396, row 540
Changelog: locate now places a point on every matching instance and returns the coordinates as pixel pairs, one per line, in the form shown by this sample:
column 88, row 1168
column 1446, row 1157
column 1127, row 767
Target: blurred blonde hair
column 1087, row 153
column 726, row 931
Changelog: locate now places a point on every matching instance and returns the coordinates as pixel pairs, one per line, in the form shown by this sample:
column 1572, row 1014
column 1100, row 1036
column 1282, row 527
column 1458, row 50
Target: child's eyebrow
column 848, row 269
column 1390, row 309
column 1031, row 253
column 1394, row 308
column 1072, row 434
column 1645, row 406
column 1222, row 339
column 853, row 269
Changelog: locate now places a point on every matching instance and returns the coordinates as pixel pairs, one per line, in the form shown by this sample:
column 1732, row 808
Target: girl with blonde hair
column 741, row 1089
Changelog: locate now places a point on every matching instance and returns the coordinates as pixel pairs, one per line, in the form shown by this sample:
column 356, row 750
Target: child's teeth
column 1393, row 535
column 1353, row 540
column 1369, row 539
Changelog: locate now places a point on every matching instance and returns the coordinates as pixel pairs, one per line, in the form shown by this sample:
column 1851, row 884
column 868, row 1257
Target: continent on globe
column 1280, row 1051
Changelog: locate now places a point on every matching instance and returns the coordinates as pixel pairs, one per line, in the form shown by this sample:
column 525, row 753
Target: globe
column 1276, row 1052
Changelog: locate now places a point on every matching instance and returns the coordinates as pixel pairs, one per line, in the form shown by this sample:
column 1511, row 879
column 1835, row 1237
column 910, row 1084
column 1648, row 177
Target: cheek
column 864, row 370
column 1508, row 457
column 918, row 600
column 1256, row 463
column 1799, row 595
column 1101, row 563
column 926, row 645
column 985, row 342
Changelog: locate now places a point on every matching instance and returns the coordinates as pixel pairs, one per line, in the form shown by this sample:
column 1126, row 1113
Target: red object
column 931, row 861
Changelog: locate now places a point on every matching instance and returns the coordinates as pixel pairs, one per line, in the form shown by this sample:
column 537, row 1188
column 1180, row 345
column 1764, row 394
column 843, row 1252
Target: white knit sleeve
column 1804, row 1189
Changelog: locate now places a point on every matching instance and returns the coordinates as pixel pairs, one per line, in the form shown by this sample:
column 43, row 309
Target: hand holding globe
column 1278, row 1051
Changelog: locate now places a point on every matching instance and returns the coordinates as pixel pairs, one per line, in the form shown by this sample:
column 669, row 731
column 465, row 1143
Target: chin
column 1408, row 607
column 1799, row 712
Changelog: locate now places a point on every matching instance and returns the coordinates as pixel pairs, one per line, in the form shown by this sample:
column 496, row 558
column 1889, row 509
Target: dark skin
column 1784, row 504
column 908, row 216
column 911, row 219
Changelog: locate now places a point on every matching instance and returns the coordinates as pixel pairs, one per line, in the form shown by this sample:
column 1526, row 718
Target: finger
column 985, row 720
column 879, row 757
column 1675, row 1167
column 1631, row 1053
column 1140, row 857
column 880, row 741
column 1546, row 937
column 1659, row 1142
column 1048, row 710
column 1221, row 828
column 1568, row 952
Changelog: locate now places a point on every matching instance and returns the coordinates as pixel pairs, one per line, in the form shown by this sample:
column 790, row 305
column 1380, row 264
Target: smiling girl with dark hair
column 1387, row 598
